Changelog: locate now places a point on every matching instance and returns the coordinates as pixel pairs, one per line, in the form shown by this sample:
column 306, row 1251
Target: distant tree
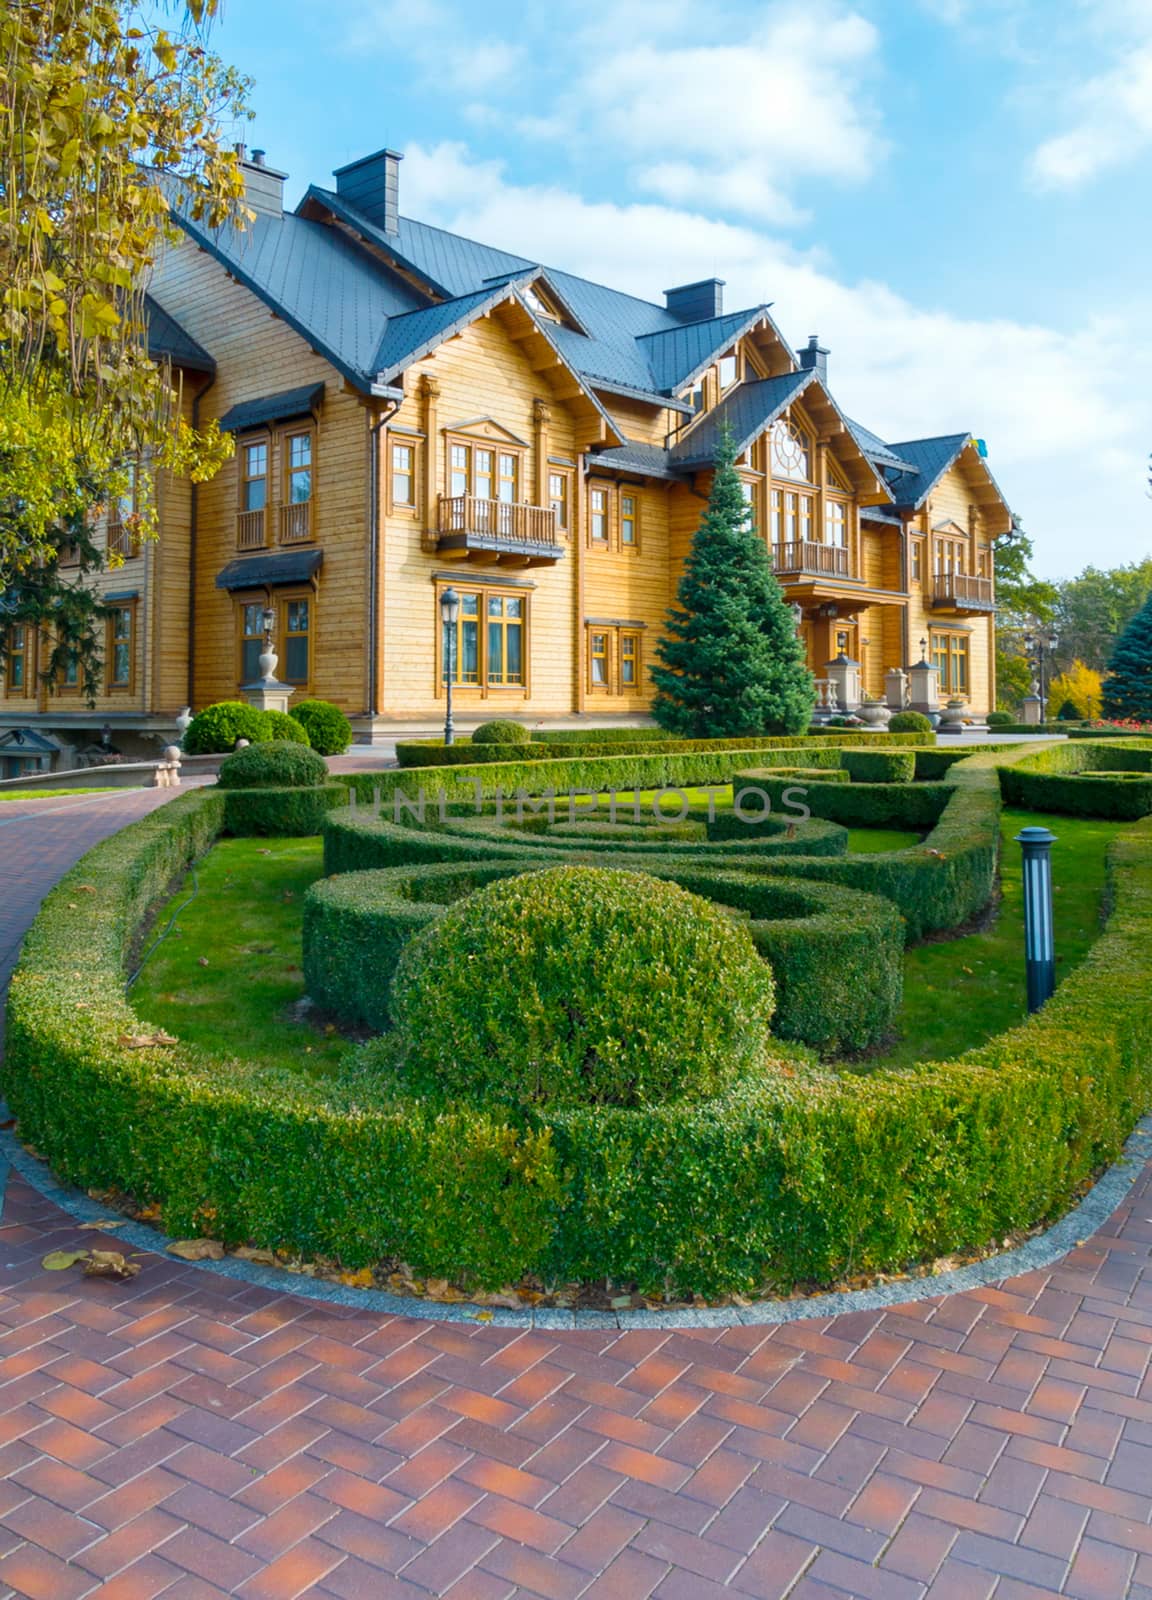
column 1023, row 601
column 1093, row 610
column 1080, row 688
column 1128, row 686
column 731, row 663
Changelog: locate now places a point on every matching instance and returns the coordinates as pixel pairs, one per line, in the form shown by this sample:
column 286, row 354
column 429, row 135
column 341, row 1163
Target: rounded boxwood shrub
column 328, row 729
column 995, row 719
column 277, row 764
column 279, row 725
column 501, row 731
column 582, row 986
column 215, row 730
column 912, row 722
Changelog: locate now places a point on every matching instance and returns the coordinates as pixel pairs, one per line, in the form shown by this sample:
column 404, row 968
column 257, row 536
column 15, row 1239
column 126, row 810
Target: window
column 836, row 524
column 628, row 519
column 509, row 480
column 696, row 395
column 18, row 674
column 630, row 662
column 598, row 660
column 727, row 372
column 917, row 561
column 251, row 641
column 121, row 514
column 254, row 485
column 483, row 473
column 598, row 515
column 494, row 654
column 559, row 498
column 299, row 468
column 505, row 639
column 950, row 658
column 791, row 452
column 120, row 641
column 297, row 615
column 404, row 475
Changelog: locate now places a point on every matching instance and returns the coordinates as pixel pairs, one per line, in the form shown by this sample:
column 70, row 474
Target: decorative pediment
column 487, row 428
column 949, row 525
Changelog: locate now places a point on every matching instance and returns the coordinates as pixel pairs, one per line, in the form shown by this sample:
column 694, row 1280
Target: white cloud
column 432, row 35
column 1109, row 111
column 1060, row 407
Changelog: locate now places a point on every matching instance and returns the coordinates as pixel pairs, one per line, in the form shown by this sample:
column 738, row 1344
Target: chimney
column 372, row 185
column 696, row 302
column 263, row 185
column 814, row 358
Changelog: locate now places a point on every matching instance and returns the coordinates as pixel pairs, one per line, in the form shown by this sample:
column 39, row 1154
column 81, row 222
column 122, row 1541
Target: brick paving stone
column 193, row 1437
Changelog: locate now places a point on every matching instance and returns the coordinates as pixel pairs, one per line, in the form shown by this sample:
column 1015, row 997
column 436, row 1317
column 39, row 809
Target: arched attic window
column 791, row 451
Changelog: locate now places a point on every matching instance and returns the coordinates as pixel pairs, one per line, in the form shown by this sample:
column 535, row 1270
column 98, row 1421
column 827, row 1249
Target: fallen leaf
column 483, row 1316
column 357, row 1280
column 109, row 1264
column 85, row 888
column 203, row 961
column 105, row 1222
column 146, row 1041
column 59, row 1260
column 246, row 1252
column 197, row 1249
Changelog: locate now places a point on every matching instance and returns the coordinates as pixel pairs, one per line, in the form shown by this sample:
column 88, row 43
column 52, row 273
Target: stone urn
column 874, row 714
column 953, row 716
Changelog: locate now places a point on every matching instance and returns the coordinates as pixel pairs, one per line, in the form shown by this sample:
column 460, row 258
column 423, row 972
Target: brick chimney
column 696, row 302
column 263, row 185
column 814, row 358
column 372, row 185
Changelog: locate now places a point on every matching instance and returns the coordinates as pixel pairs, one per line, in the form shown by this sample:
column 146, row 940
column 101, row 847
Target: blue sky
column 953, row 193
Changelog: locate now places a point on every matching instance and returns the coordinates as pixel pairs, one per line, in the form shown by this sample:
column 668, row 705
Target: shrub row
column 284, row 813
column 837, row 955
column 1083, row 779
column 550, row 747
column 854, row 805
column 799, row 1175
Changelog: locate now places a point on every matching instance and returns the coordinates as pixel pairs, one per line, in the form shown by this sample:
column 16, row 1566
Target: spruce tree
column 1128, row 686
column 731, row 664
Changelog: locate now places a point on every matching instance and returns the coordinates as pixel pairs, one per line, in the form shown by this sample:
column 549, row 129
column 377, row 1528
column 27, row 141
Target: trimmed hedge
column 280, row 726
column 216, row 729
column 879, row 766
column 1084, row 780
column 910, row 722
column 853, row 805
column 279, row 764
column 286, row 813
column 501, row 730
column 836, row 954
column 328, row 729
column 549, row 747
column 797, row 1176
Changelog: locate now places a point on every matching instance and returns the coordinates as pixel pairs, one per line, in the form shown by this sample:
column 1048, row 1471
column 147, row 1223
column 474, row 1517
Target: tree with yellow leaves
column 1081, row 688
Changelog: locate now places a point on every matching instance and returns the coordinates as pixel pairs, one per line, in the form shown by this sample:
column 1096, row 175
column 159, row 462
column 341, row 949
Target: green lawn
column 866, row 841
column 52, row 794
column 959, row 992
column 229, row 972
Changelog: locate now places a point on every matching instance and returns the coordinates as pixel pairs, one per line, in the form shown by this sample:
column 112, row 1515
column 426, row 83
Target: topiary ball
column 326, row 725
column 581, row 986
column 501, row 731
column 1000, row 719
column 909, row 722
column 216, row 729
column 280, row 725
column 275, row 764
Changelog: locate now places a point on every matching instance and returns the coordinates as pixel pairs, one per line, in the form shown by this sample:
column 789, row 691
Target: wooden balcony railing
column 963, row 592
column 250, row 530
column 806, row 556
column 119, row 539
column 296, row 523
column 468, row 522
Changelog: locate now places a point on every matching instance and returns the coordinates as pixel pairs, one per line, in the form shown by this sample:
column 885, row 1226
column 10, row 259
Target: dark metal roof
column 167, row 340
column 272, row 408
column 677, row 355
column 747, row 410
column 409, row 337
column 271, row 570
column 929, row 460
column 646, row 460
column 883, row 514
column 876, row 450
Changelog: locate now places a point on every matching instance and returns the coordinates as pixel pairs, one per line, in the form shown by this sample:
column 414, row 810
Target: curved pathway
column 190, row 1436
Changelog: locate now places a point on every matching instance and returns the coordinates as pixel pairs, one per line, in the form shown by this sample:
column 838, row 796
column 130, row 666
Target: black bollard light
column 1039, row 933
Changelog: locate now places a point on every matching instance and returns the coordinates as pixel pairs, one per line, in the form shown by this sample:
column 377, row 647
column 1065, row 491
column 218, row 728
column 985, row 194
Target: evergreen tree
column 731, row 663
column 1128, row 686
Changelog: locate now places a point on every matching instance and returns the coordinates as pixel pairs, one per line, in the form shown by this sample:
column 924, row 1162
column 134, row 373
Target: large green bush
column 328, row 729
column 502, row 730
column 280, row 726
column 216, row 729
column 276, row 765
column 581, row 986
column 793, row 1176
column 911, row 722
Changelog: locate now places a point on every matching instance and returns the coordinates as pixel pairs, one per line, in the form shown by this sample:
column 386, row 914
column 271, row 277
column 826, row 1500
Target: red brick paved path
column 192, row 1436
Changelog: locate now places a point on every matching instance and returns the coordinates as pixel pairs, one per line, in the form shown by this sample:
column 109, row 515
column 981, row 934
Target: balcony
column 250, row 530
column 296, row 523
column 497, row 530
column 956, row 591
column 806, row 558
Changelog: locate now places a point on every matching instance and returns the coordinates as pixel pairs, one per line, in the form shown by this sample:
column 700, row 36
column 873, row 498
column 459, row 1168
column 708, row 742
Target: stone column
column 896, row 689
column 844, row 676
column 923, row 688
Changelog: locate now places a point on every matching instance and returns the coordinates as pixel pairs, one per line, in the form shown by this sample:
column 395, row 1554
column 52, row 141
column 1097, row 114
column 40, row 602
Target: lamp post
column 449, row 611
column 1039, row 934
column 1041, row 647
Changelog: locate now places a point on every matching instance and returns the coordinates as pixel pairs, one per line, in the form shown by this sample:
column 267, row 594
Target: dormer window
column 727, row 370
column 791, row 452
column 539, row 305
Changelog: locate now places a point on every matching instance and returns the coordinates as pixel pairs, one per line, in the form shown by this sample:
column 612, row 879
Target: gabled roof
column 645, row 460
column 747, row 410
column 876, row 450
column 408, row 337
column 927, row 460
column 168, row 341
column 677, row 355
column 272, row 408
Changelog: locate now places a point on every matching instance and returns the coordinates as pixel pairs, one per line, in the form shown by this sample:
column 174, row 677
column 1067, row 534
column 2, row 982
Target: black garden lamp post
column 1039, row 933
column 449, row 611
column 1041, row 648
